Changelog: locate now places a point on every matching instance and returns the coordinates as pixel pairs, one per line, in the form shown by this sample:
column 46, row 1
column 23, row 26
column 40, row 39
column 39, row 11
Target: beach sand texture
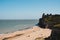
column 35, row 33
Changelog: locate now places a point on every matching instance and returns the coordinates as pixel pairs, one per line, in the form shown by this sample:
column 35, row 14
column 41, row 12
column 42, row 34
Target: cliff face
column 50, row 20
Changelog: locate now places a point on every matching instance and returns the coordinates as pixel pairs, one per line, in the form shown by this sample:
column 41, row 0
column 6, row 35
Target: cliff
column 50, row 20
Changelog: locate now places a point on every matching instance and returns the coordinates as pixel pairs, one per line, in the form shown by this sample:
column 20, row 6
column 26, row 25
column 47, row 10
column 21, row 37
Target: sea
column 7, row 26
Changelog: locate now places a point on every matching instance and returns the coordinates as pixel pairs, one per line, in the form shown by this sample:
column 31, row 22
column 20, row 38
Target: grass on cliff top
column 57, row 25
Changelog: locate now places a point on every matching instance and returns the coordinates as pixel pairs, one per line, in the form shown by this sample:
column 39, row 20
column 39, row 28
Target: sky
column 28, row 9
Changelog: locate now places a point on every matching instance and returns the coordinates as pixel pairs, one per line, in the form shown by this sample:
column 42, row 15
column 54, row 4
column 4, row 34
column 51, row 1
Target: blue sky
column 27, row 9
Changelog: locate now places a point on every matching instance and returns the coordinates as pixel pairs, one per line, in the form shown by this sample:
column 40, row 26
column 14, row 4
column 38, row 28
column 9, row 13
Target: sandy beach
column 27, row 34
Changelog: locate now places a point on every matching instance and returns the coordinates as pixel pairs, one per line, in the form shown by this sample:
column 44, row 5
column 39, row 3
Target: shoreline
column 30, row 34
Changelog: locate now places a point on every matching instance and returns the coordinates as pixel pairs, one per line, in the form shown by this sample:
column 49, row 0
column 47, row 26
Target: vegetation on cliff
column 50, row 20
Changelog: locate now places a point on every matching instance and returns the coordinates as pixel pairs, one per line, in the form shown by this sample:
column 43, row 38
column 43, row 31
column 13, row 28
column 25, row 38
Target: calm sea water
column 14, row 25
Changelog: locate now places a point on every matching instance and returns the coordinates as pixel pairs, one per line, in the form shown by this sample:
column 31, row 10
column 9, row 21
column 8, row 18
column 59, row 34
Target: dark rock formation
column 55, row 34
column 50, row 20
column 53, row 22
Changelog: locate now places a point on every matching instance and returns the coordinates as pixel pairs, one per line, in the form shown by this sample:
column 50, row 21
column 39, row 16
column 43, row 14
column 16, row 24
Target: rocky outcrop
column 52, row 22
